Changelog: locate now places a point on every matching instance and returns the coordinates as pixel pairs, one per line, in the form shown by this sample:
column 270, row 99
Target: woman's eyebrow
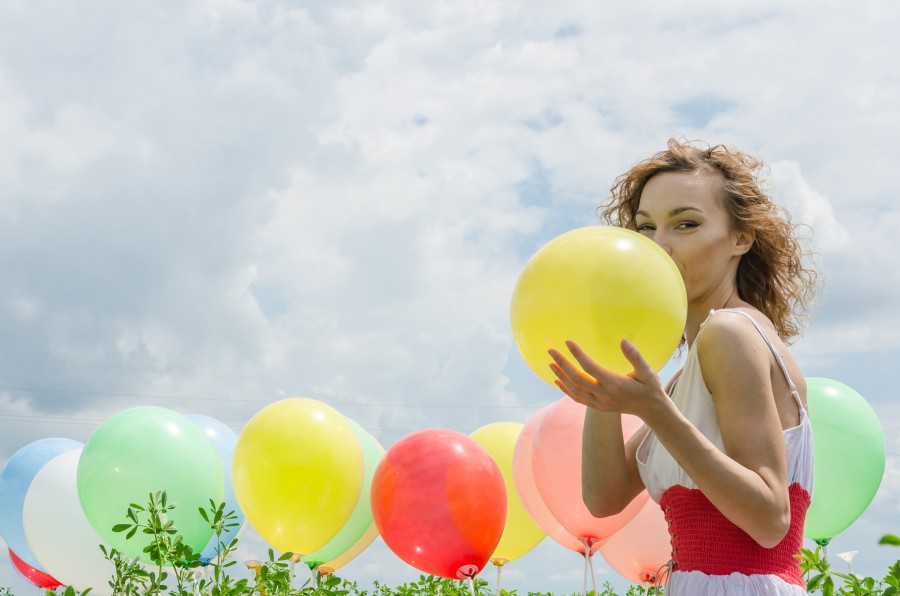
column 672, row 213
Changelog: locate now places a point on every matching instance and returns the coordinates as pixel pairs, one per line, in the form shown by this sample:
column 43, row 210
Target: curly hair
column 772, row 275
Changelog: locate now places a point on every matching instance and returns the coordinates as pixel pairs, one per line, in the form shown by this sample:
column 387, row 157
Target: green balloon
column 849, row 457
column 141, row 451
column 361, row 518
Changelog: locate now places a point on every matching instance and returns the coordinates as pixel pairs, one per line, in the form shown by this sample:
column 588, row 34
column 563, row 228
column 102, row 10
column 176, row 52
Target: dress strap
column 778, row 359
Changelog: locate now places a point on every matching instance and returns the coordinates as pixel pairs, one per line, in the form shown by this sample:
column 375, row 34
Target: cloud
column 213, row 205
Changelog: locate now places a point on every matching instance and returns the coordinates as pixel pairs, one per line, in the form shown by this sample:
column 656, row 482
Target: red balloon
column 526, row 487
column 439, row 502
column 38, row 578
column 557, row 472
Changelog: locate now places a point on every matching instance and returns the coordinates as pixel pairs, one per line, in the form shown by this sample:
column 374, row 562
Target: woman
column 726, row 447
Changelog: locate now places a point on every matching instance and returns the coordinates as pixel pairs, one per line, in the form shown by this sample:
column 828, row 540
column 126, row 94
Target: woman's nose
column 662, row 240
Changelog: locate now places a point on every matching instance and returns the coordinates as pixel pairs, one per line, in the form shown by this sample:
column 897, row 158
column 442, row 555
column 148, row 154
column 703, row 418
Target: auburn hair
column 772, row 275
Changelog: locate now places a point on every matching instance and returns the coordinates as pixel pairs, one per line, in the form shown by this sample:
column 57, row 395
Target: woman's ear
column 743, row 241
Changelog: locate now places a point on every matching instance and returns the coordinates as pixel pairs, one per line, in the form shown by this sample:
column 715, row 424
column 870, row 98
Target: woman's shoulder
column 729, row 325
column 730, row 340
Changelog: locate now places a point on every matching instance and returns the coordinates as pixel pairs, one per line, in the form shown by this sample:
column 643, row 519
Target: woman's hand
column 590, row 384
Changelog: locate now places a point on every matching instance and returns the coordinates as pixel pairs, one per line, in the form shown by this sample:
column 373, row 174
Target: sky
column 213, row 205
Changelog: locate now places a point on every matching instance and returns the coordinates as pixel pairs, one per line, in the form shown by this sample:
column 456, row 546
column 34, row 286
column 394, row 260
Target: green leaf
column 891, row 539
column 814, row 582
column 203, row 514
column 131, row 533
column 120, row 527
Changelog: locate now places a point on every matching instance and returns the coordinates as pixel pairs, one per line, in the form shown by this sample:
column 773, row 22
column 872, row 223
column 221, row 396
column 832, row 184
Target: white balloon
column 58, row 532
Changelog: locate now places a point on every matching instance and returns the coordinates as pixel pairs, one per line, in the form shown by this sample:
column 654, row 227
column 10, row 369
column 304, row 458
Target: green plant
column 222, row 584
column 129, row 577
column 275, row 576
column 812, row 562
column 68, row 591
column 166, row 547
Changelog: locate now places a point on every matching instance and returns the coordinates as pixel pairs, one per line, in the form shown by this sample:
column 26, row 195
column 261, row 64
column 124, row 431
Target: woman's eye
column 645, row 228
column 686, row 225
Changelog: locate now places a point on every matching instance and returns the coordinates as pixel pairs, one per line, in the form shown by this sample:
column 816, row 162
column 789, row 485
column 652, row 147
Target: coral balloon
column 360, row 521
column 223, row 440
column 557, row 472
column 527, row 490
column 640, row 551
column 521, row 533
column 298, row 473
column 38, row 578
column 59, row 534
column 141, row 451
column 15, row 478
column 439, row 503
column 597, row 286
column 849, row 457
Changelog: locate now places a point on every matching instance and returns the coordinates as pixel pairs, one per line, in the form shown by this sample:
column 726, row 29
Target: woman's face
column 684, row 214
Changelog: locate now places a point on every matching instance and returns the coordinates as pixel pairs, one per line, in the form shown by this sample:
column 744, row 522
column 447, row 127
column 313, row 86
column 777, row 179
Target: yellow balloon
column 521, row 533
column 598, row 285
column 297, row 473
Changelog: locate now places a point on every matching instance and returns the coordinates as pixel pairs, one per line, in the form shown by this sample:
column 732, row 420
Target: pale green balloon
column 361, row 518
column 141, row 451
column 849, row 457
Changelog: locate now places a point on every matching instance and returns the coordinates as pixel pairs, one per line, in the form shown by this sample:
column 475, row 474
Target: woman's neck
column 698, row 311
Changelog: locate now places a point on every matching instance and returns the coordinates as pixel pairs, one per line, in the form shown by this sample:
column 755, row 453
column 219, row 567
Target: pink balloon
column 557, row 472
column 526, row 487
column 641, row 549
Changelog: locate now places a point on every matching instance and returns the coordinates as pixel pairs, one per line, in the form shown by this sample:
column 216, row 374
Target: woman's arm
column 609, row 473
column 748, row 482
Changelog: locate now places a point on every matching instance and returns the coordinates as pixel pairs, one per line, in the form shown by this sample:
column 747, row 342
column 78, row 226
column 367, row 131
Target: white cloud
column 808, row 207
column 336, row 201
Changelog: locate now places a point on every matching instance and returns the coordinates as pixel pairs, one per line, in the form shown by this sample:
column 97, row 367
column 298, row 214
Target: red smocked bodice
column 699, row 531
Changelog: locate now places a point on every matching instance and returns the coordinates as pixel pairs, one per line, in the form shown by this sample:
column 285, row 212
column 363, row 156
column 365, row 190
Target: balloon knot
column 467, row 572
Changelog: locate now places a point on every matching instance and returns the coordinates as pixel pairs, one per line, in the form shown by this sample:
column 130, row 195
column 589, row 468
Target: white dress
column 710, row 554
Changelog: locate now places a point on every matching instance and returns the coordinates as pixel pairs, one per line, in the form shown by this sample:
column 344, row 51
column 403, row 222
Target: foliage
column 276, row 575
column 166, row 547
column 820, row 578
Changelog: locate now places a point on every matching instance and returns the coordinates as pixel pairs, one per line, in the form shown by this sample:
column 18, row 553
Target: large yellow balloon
column 597, row 286
column 521, row 533
column 297, row 473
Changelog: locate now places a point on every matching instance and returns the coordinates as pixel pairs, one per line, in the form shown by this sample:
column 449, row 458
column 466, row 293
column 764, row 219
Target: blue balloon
column 15, row 478
column 224, row 441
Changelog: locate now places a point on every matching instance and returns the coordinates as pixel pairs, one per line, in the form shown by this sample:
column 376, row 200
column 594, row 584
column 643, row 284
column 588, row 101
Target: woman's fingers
column 569, row 370
column 588, row 364
column 642, row 369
